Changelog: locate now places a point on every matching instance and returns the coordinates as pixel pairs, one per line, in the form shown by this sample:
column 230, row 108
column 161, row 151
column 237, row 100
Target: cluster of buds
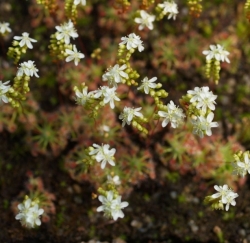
column 167, row 8
column 49, row 5
column 145, row 4
column 122, row 5
column 199, row 104
column 225, row 196
column 214, row 56
column 29, row 213
column 60, row 47
column 20, row 45
column 247, row 9
column 195, row 8
column 134, row 117
column 4, row 29
column 71, row 8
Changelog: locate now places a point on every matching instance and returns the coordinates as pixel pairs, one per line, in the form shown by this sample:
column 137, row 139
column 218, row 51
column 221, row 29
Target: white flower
column 133, row 41
column 148, row 84
column 203, row 98
column 111, row 206
column 203, row 125
column 82, row 98
column 115, row 75
column 226, row 195
column 4, row 88
column 65, row 31
column 103, row 154
column 25, row 40
column 246, row 164
column 4, row 28
column 27, row 68
column 114, row 180
column 238, row 170
column 83, row 2
column 222, row 191
column 146, row 20
column 74, row 55
column 128, row 114
column 217, row 53
column 29, row 213
column 116, row 207
column 229, row 199
column 106, row 204
column 110, row 97
column 169, row 8
column 207, row 100
column 34, row 216
column 174, row 115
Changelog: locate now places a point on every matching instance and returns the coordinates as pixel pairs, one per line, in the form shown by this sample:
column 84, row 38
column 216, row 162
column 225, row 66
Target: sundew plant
column 109, row 95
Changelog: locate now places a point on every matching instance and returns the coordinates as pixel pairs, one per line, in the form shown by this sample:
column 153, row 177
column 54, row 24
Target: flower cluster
column 29, row 213
column 115, row 75
column 169, row 8
column 172, row 114
column 214, row 56
column 199, row 104
column 224, row 196
column 111, row 205
column 133, row 41
column 202, row 98
column 103, row 154
column 60, row 46
column 28, row 69
column 217, row 52
column 241, row 163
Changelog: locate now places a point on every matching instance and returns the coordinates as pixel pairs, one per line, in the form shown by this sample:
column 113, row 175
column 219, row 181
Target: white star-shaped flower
column 74, row 55
column 204, row 124
column 148, row 84
column 133, row 41
column 25, row 40
column 4, row 28
column 83, row 97
column 146, row 20
column 110, row 97
column 174, row 115
column 103, row 154
column 115, row 75
column 65, row 31
column 128, row 114
column 169, row 8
